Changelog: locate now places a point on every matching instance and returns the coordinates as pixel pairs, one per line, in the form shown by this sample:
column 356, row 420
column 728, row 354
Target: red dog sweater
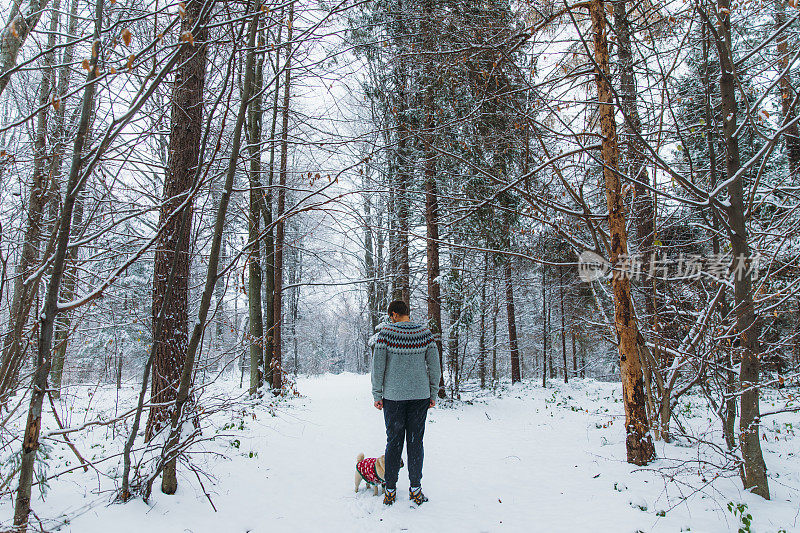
column 366, row 468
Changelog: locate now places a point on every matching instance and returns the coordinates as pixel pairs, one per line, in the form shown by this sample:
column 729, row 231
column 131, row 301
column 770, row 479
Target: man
column 405, row 380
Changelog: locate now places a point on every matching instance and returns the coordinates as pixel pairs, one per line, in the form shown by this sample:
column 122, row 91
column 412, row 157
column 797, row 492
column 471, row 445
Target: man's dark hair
column 399, row 307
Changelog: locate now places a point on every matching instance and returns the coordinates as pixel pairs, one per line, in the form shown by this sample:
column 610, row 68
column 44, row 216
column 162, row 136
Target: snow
column 529, row 459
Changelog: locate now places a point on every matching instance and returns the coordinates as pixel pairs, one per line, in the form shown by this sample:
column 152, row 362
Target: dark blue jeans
column 405, row 420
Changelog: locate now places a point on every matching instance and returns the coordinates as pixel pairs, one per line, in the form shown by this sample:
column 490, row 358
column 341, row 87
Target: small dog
column 372, row 471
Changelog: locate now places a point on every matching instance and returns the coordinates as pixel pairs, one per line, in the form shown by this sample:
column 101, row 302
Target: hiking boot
column 416, row 495
column 389, row 496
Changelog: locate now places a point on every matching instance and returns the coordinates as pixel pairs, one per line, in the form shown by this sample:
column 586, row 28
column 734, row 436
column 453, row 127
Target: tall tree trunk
column 373, row 313
column 455, row 297
column 280, row 226
column 495, row 314
column 266, row 211
column 482, row 328
column 747, row 326
column 638, row 441
column 431, row 190
column 402, row 286
column 369, row 265
column 549, row 325
column 727, row 363
column 63, row 324
column 23, row 293
column 574, row 355
column 401, row 289
column 186, row 130
column 381, row 285
column 169, row 479
column 563, row 329
column 30, row 440
column 254, row 295
column 545, row 330
column 294, row 271
column 516, row 374
column 633, row 167
column 56, row 160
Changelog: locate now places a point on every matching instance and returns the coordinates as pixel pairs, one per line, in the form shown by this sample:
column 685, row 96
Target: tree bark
column 23, row 292
column 369, row 265
column 787, row 92
column 256, row 194
column 59, row 357
column 638, row 442
column 643, row 203
column 401, row 287
column 574, row 355
column 184, row 150
column 266, row 211
column 729, row 375
column 431, row 192
column 280, row 225
column 563, row 329
column 482, row 327
column 545, row 330
column 169, row 480
column 516, row 374
column 14, row 35
column 747, row 326
column 30, row 440
column 455, row 298
column 494, row 334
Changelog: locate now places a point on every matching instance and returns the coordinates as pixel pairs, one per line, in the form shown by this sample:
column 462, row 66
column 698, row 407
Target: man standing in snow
column 405, row 380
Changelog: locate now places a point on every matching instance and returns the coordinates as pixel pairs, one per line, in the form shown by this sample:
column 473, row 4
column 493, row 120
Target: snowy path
column 518, row 463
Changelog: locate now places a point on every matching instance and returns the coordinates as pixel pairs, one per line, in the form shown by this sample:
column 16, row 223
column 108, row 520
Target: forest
column 207, row 206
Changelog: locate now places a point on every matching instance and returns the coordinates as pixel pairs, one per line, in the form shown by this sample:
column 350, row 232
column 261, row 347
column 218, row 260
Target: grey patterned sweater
column 405, row 363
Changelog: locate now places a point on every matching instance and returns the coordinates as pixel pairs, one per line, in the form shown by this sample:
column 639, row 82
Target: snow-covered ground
column 529, row 460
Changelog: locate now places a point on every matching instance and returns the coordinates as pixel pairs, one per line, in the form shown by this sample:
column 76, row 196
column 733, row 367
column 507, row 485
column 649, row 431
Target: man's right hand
column 379, row 405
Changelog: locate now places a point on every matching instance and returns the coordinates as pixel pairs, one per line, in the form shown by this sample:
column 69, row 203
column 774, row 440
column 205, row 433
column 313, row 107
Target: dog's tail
column 360, row 458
